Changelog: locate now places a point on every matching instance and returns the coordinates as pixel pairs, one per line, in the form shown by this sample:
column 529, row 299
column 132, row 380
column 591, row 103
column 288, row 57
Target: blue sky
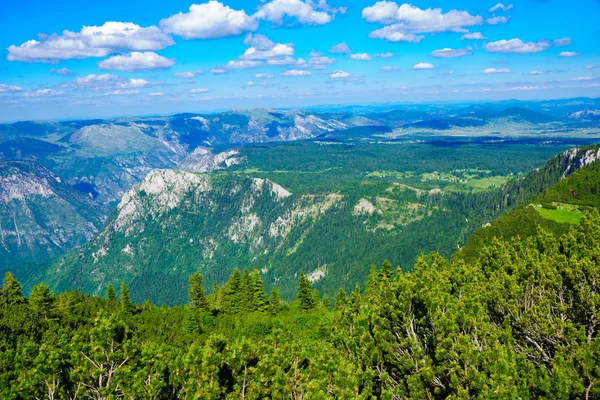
column 78, row 59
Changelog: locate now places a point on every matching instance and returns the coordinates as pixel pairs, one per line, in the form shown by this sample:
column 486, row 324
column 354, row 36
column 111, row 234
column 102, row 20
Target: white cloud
column 516, row 46
column 264, row 76
column 501, row 7
column 593, row 85
column 4, row 88
column 94, row 81
column 242, row 64
column 535, row 72
column 262, row 48
column 286, row 61
column 592, row 66
column 423, row 66
column 250, row 83
column 44, row 93
column 199, row 91
column 156, row 94
column 473, row 36
column 122, row 92
column 305, row 12
column 296, row 73
column 134, row 83
column 361, row 57
column 210, row 20
column 136, row 61
column 452, row 53
column 62, row 71
column 405, row 23
column 389, row 69
column 562, row 42
column 384, row 55
column 339, row 74
column 568, row 54
column 496, row 20
column 496, row 71
column 320, row 62
column 188, row 74
column 91, row 41
column 218, row 71
column 582, row 78
column 340, row 48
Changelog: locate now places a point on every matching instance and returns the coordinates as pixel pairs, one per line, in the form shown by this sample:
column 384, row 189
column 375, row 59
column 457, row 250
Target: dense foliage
column 519, row 321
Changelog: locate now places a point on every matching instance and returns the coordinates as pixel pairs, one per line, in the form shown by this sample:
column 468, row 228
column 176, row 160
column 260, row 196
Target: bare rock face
column 577, row 158
column 203, row 160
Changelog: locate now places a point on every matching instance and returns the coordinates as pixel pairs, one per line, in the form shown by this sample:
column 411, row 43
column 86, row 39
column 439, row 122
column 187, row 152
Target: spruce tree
column 196, row 293
column 386, row 269
column 274, row 301
column 326, row 303
column 305, row 295
column 261, row 303
column 11, row 293
column 373, row 281
column 340, row 300
column 111, row 296
column 232, row 293
column 41, row 299
column 126, row 305
column 246, row 293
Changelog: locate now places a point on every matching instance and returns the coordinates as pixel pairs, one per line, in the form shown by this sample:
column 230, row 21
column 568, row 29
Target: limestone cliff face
column 41, row 216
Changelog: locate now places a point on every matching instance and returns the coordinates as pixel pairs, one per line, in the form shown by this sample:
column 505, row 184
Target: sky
column 79, row 59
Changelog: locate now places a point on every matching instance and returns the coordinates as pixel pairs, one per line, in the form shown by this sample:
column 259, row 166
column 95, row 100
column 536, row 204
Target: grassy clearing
column 563, row 213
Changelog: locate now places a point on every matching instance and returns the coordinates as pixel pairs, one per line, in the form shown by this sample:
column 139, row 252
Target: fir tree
column 261, row 303
column 111, row 296
column 196, row 293
column 232, row 293
column 126, row 305
column 305, row 295
column 326, row 303
column 41, row 299
column 386, row 269
column 11, row 293
column 246, row 293
column 340, row 300
column 373, row 281
column 274, row 301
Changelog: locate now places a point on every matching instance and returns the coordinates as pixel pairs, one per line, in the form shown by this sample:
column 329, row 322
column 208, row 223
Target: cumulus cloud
column 262, row 48
column 4, row 88
column 562, row 42
column 389, row 69
column 473, row 36
column 286, row 61
column 91, row 41
column 44, row 93
column 568, row 54
column 188, row 74
column 452, row 53
column 242, row 64
column 516, row 46
column 496, row 20
column 406, row 23
column 501, row 7
column 423, row 66
column 535, row 72
column 305, row 12
column 320, row 62
column 94, row 81
column 210, row 20
column 134, row 83
column 296, row 73
column 136, row 61
column 122, row 92
column 361, row 57
column 218, row 71
column 496, row 71
column 339, row 74
column 264, row 76
column 384, row 55
column 199, row 91
column 62, row 72
column 340, row 48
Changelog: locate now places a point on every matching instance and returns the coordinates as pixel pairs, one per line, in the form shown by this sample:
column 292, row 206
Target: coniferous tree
column 11, row 293
column 373, row 281
column 111, row 295
column 274, row 301
column 232, row 293
column 196, row 293
column 326, row 303
column 246, row 293
column 340, row 300
column 386, row 269
column 261, row 303
column 126, row 305
column 305, row 295
column 41, row 299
